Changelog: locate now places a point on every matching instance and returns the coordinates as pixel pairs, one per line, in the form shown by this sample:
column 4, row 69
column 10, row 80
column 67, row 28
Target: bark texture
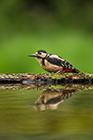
column 65, row 78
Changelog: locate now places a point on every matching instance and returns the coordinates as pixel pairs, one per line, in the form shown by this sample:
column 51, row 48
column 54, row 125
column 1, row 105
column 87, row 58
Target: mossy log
column 65, row 78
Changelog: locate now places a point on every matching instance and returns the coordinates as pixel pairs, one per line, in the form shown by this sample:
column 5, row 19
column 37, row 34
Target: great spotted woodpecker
column 53, row 63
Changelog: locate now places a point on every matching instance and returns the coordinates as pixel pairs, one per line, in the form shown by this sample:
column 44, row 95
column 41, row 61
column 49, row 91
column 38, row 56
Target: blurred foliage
column 59, row 26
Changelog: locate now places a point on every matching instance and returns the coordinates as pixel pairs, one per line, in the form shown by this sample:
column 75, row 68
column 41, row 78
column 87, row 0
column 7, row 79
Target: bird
column 53, row 63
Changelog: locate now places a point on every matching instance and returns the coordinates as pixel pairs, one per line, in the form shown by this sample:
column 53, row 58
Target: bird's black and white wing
column 57, row 60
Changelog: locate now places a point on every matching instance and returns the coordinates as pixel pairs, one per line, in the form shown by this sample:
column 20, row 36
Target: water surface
column 46, row 113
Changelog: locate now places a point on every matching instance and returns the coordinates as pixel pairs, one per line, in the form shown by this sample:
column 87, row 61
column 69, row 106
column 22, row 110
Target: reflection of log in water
column 52, row 95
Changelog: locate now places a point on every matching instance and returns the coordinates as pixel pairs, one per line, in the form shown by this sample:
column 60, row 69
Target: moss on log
column 64, row 78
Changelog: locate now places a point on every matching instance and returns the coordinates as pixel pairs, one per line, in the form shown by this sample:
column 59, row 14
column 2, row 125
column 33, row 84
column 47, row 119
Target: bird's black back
column 59, row 62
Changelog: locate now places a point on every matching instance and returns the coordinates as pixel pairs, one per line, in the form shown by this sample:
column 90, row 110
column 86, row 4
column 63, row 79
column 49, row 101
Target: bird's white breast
column 52, row 68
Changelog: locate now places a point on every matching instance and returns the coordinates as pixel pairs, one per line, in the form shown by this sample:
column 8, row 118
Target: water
column 37, row 113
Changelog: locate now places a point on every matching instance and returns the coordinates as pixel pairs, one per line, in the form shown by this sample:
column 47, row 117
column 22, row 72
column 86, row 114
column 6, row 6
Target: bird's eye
column 39, row 53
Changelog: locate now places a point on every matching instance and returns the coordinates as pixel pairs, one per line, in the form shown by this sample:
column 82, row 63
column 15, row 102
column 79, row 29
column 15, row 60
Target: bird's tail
column 75, row 70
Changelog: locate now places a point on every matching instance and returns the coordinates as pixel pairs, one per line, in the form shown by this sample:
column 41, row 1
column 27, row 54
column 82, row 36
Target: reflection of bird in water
column 50, row 99
column 53, row 63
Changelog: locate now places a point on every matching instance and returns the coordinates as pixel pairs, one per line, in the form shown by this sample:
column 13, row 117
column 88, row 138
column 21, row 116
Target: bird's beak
column 32, row 55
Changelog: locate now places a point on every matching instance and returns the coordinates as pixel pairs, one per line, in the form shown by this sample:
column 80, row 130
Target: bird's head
column 40, row 54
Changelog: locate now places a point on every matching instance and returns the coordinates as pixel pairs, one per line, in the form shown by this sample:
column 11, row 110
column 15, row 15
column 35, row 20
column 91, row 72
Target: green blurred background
column 64, row 27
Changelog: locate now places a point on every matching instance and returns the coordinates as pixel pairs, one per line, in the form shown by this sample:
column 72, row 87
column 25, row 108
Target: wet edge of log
column 65, row 78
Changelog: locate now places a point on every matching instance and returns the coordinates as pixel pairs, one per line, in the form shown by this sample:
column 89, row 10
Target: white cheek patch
column 43, row 54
